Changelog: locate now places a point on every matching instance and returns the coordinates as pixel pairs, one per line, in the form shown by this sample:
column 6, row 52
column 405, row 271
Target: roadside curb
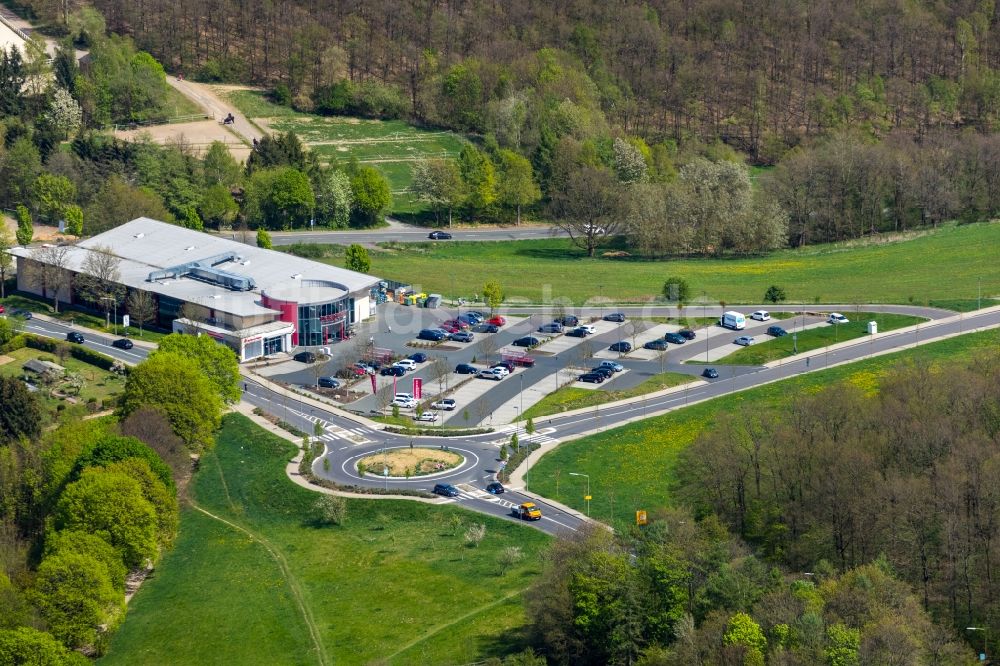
column 292, row 467
column 308, row 400
column 93, row 331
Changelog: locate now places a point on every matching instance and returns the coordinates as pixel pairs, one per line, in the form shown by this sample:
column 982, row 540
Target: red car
column 1, row 309
column 496, row 320
column 454, row 326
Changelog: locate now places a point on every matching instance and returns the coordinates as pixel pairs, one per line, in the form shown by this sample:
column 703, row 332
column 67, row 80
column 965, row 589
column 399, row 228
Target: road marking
column 558, row 523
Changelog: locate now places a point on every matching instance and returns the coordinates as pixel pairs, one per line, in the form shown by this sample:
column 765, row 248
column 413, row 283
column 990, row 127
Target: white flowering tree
column 64, row 113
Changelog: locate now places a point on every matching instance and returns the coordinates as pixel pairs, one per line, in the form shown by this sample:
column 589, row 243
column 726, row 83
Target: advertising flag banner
column 418, row 386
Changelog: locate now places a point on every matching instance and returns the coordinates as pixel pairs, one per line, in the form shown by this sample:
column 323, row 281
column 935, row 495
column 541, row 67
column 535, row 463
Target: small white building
column 256, row 301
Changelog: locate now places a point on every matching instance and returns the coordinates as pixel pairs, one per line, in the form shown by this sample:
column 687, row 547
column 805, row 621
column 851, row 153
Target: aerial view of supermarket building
column 256, row 301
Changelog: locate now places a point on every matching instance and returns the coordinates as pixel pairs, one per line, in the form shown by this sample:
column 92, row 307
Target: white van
column 733, row 320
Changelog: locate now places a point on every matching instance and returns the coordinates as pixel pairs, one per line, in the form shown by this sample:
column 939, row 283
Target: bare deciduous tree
column 99, row 282
column 141, row 308
column 48, row 270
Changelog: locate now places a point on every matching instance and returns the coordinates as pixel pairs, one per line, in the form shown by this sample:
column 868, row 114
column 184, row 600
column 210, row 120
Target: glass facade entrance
column 324, row 324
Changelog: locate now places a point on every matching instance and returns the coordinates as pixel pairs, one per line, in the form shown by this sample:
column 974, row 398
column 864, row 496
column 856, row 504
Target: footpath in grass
column 395, row 579
column 633, row 467
column 941, row 267
column 572, row 397
column 392, row 146
column 768, row 349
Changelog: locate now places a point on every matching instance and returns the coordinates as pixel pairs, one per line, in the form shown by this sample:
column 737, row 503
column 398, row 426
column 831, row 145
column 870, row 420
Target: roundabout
column 410, row 462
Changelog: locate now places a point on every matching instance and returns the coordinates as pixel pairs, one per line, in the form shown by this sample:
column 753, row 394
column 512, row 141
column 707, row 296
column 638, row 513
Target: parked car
column 427, row 417
column 621, row 347
column 577, row 332
column 526, row 341
column 328, row 382
column 710, row 373
column 74, row 336
column 490, row 373
column 604, row 370
column 419, row 357
column 122, row 343
column 477, row 313
column 615, row 316
column 587, row 327
column 675, row 338
column 407, row 364
column 445, row 489
column 776, row 331
column 393, row 371
column 591, row 377
column 617, row 367
column 362, row 368
column 744, row 340
column 496, row 320
column 462, row 336
column 404, row 400
column 687, row 334
column 837, row 318
column 447, row 404
column 568, row 320
column 657, row 345
column 22, row 313
column 450, row 327
column 476, row 317
column 761, row 315
column 554, row 327
column 501, row 369
column 2, row 309
column 495, row 488
column 432, row 334
column 466, row 369
column 486, row 328
column 439, row 235
column 527, row 511
column 466, row 319
column 506, row 364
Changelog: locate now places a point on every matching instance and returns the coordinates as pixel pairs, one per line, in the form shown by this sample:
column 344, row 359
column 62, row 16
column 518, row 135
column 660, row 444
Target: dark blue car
column 432, row 334
column 446, row 489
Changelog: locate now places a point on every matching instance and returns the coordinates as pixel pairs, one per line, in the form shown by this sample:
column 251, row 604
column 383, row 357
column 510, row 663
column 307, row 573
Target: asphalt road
column 411, row 234
column 346, row 440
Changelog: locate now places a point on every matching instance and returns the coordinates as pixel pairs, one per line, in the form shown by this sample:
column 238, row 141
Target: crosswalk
column 333, row 433
column 468, row 492
column 540, row 437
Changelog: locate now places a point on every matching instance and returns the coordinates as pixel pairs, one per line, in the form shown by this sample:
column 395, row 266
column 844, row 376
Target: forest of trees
column 87, row 503
column 857, row 527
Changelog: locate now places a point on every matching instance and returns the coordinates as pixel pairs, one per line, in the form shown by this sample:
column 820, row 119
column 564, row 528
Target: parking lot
column 557, row 362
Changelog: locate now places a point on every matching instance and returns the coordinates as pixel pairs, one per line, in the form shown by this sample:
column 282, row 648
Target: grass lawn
column 394, row 583
column 632, row 467
column 392, row 146
column 768, row 349
column 97, row 383
column 942, row 266
column 78, row 317
column 571, row 397
column 176, row 104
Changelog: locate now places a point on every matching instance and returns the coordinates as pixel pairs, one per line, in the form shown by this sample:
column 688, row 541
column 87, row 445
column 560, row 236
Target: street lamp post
column 588, row 489
column 982, row 657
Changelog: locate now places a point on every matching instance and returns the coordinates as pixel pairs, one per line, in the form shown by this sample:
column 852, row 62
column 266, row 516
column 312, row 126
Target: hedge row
column 51, row 346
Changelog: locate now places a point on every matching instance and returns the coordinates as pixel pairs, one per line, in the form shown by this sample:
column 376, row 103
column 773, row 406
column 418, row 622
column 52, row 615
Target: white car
column 407, row 364
column 426, row 416
column 743, row 341
column 761, row 315
column 404, row 403
column 447, row 404
column 837, row 318
column 500, row 369
column 587, row 327
column 490, row 373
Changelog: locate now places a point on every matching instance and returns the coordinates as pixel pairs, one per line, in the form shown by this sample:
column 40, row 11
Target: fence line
column 169, row 121
column 17, row 31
